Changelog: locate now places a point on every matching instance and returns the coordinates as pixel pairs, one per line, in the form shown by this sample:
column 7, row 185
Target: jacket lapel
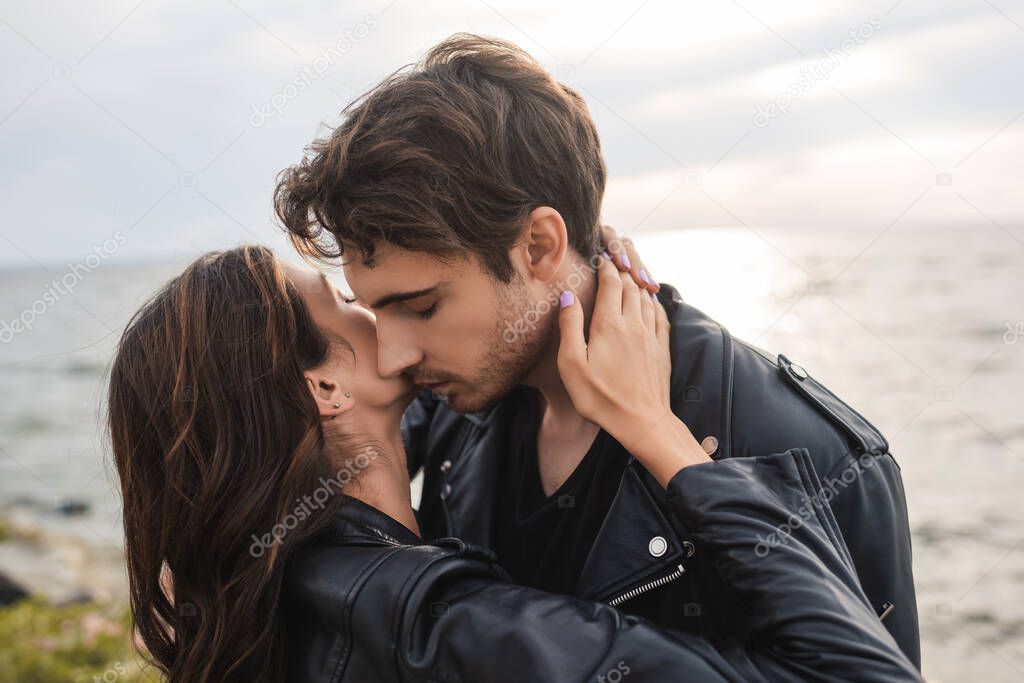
column 626, row 549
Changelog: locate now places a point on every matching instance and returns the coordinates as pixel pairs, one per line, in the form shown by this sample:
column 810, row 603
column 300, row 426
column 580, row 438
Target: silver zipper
column 640, row 590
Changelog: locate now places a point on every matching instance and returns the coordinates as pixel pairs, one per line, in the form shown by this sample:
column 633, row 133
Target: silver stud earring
column 337, row 405
column 348, row 394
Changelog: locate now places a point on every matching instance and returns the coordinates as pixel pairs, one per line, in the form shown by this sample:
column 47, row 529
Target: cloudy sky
column 167, row 121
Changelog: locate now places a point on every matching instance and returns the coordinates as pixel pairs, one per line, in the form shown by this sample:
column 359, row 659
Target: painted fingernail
column 606, row 255
column 625, row 262
column 566, row 299
column 643, row 276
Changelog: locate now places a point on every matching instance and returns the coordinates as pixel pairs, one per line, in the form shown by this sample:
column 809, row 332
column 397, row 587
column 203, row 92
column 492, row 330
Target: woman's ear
column 331, row 399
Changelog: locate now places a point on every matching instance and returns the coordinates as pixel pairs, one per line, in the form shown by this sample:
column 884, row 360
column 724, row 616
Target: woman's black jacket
column 370, row 602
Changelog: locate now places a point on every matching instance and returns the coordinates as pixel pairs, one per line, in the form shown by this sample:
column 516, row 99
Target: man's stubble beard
column 505, row 363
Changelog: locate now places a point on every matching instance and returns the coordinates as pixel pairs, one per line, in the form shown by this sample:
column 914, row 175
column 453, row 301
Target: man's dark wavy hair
column 448, row 157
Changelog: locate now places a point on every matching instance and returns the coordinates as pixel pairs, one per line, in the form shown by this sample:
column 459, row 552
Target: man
column 464, row 196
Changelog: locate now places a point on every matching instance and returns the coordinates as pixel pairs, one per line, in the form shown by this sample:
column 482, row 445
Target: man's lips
column 432, row 385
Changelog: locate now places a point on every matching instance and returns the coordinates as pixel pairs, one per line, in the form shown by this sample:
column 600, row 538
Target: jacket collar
column 360, row 523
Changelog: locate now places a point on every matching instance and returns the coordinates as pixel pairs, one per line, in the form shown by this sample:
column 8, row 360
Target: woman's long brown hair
column 215, row 436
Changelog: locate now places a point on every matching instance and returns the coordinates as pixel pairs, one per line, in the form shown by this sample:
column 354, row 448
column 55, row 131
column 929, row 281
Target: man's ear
column 546, row 241
column 331, row 399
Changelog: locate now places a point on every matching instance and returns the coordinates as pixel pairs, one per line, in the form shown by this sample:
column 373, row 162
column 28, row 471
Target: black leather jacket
column 367, row 602
column 643, row 560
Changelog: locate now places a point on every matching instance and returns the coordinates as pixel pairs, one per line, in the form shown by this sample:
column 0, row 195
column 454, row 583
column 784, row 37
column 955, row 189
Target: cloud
column 109, row 107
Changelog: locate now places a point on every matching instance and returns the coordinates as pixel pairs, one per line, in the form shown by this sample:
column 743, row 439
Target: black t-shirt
column 543, row 541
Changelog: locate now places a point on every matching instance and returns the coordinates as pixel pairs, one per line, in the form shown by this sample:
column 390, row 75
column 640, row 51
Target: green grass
column 10, row 532
column 40, row 643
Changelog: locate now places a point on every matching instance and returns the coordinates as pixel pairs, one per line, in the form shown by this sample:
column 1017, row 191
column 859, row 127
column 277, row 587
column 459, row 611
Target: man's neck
column 544, row 375
column 564, row 436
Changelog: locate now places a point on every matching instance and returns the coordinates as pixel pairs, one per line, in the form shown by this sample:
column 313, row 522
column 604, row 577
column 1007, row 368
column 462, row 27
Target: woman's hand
column 619, row 379
column 625, row 256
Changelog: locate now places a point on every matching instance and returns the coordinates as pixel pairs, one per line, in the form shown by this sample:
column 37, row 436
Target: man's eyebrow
column 403, row 296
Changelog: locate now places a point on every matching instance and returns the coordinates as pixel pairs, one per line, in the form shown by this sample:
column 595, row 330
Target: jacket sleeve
column 456, row 618
column 869, row 503
column 415, row 425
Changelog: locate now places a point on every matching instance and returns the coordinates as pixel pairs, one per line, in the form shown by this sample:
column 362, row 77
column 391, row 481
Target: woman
column 270, row 536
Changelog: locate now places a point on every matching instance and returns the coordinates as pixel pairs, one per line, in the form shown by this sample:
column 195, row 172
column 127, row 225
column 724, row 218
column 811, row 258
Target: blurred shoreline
column 60, row 567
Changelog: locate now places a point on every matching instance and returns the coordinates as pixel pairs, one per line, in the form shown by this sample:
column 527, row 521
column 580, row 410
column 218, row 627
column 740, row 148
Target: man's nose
column 395, row 355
